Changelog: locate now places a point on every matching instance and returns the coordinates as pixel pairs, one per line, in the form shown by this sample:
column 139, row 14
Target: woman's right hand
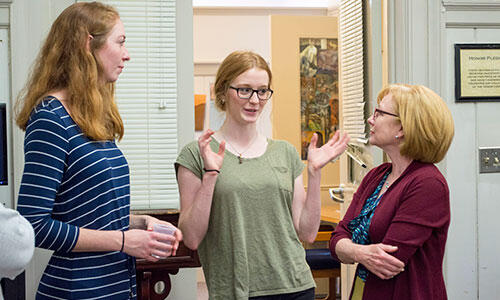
column 211, row 160
column 144, row 244
column 376, row 259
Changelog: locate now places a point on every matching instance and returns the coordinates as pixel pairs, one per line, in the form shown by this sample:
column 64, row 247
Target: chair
column 323, row 265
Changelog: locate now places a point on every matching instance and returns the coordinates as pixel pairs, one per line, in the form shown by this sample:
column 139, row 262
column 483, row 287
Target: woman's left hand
column 318, row 157
column 150, row 221
column 378, row 260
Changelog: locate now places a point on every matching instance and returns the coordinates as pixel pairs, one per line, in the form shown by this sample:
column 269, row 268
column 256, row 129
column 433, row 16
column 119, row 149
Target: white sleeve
column 17, row 242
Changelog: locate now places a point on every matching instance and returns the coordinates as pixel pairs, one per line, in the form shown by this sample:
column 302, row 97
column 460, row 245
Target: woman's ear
column 90, row 38
column 401, row 133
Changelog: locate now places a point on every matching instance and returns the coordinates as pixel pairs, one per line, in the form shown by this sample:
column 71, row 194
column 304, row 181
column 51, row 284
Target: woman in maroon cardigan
column 397, row 223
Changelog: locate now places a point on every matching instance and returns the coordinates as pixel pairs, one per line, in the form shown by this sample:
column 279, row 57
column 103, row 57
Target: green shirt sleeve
column 296, row 162
column 190, row 158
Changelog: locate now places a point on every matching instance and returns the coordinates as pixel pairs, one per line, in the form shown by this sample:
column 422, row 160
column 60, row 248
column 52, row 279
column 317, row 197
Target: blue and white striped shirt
column 70, row 182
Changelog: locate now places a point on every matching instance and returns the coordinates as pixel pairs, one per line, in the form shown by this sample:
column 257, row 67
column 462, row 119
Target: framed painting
column 319, row 93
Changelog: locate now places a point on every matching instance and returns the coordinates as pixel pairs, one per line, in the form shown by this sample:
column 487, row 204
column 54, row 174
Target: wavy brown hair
column 67, row 61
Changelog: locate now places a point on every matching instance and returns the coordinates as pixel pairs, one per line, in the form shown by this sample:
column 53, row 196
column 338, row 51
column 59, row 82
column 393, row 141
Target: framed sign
column 477, row 72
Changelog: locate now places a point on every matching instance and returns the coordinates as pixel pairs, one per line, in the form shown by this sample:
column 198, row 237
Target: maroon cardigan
column 413, row 214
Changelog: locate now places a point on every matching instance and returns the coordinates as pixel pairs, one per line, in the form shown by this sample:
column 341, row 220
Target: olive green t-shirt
column 251, row 247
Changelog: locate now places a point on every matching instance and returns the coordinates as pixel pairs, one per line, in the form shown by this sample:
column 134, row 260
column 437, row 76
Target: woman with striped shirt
column 75, row 187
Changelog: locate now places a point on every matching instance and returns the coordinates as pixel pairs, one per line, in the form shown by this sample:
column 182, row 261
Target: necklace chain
column 240, row 158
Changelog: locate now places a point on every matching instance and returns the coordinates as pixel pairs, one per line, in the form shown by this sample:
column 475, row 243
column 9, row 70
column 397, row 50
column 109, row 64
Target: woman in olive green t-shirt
column 243, row 203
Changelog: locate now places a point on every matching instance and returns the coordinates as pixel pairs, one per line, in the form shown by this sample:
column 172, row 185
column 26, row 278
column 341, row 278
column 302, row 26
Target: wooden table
column 330, row 213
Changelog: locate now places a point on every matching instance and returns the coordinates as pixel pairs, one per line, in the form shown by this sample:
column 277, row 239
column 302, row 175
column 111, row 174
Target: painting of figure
column 319, row 95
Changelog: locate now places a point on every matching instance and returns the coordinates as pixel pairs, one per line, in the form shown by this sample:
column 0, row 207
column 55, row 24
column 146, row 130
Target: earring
column 397, row 137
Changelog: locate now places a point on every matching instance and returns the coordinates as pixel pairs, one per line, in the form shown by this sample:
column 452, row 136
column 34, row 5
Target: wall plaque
column 477, row 72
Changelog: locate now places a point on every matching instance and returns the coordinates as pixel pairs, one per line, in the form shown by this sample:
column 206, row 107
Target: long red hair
column 67, row 62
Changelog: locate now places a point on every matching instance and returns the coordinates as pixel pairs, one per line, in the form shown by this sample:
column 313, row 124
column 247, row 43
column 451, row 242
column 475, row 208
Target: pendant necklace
column 387, row 184
column 240, row 158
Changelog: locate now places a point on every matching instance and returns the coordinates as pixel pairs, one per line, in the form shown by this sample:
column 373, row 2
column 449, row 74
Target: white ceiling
column 266, row 3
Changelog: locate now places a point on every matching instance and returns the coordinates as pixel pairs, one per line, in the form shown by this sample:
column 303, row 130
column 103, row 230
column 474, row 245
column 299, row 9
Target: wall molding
column 482, row 15
column 470, row 6
column 472, row 25
column 4, row 13
column 261, row 11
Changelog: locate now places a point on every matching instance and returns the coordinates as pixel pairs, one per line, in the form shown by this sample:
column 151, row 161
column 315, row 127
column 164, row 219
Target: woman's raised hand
column 318, row 157
column 211, row 160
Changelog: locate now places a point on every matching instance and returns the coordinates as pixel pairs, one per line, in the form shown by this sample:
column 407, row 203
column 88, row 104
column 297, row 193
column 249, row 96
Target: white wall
column 473, row 267
column 215, row 36
column 422, row 35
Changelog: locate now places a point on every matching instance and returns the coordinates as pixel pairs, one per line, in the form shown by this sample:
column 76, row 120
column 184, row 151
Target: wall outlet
column 489, row 160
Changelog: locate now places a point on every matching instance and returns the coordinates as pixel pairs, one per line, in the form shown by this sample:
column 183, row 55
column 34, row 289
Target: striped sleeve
column 45, row 149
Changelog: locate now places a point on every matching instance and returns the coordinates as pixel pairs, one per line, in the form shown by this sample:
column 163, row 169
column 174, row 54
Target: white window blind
column 351, row 70
column 146, row 93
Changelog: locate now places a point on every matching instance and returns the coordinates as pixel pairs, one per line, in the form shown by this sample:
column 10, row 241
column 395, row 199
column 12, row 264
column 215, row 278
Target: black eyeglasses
column 379, row 112
column 247, row 93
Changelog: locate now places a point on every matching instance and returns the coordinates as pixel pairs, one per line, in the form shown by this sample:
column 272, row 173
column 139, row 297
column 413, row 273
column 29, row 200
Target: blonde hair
column 426, row 120
column 66, row 62
column 233, row 66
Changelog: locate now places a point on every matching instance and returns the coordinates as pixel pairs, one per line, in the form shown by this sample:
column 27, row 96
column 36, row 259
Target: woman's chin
column 250, row 118
column 372, row 141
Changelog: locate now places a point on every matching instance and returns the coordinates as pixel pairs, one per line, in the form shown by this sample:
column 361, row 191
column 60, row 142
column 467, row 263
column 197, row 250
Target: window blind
column 146, row 94
column 351, row 71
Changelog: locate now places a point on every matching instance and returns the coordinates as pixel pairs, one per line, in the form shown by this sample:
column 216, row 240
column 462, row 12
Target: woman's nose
column 254, row 98
column 126, row 55
column 371, row 120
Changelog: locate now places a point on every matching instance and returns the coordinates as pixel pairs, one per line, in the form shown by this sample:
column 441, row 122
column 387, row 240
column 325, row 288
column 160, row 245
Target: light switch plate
column 489, row 160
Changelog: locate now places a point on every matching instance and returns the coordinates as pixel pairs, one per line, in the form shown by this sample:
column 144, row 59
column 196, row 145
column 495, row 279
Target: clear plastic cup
column 165, row 229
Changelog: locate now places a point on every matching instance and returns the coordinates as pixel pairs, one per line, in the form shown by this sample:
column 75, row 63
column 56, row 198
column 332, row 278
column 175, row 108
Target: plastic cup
column 165, row 229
